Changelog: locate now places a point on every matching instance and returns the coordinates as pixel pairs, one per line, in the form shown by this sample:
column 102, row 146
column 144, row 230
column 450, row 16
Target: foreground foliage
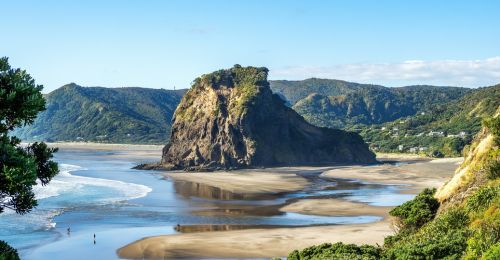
column 7, row 252
column 337, row 251
column 21, row 167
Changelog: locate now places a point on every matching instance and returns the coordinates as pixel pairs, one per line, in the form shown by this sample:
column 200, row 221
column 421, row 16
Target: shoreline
column 415, row 176
column 105, row 146
column 252, row 243
column 278, row 242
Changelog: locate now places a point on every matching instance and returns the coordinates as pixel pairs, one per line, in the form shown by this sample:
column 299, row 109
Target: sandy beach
column 417, row 176
column 281, row 241
column 149, row 153
column 251, row 243
column 335, row 207
column 245, row 181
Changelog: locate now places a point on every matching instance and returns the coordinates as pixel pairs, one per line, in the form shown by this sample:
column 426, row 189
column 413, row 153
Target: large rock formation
column 231, row 119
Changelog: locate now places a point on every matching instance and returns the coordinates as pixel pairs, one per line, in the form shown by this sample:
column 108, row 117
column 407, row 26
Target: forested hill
column 117, row 115
column 342, row 104
column 443, row 129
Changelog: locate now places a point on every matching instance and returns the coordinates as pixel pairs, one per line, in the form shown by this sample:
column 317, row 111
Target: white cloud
column 467, row 73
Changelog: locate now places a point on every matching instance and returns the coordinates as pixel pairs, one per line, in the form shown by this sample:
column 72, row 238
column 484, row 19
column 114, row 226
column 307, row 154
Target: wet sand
column 245, row 181
column 149, row 153
column 271, row 242
column 335, row 207
column 417, row 176
column 105, row 146
column 251, row 243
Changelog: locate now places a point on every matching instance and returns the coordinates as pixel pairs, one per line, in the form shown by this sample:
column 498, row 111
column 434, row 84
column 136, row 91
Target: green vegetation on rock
column 231, row 119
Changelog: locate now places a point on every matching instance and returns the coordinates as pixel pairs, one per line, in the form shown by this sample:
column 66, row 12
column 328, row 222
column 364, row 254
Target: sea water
column 98, row 193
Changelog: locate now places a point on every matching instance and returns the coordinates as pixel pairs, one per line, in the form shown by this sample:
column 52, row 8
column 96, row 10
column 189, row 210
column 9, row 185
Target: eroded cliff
column 231, row 119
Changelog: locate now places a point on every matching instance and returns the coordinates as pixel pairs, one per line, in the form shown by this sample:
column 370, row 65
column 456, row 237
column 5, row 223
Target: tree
column 20, row 166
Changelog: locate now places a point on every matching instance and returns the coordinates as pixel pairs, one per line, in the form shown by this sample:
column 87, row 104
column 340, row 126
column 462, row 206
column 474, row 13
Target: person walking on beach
column 69, row 231
column 94, row 238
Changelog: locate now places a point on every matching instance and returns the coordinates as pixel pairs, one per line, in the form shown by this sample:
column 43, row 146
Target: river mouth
column 101, row 194
column 229, row 210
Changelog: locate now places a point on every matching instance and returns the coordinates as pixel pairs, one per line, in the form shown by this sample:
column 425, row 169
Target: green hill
column 442, row 129
column 341, row 104
column 116, row 115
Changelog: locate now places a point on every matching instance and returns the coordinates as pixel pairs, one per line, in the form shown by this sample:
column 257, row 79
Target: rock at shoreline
column 231, row 119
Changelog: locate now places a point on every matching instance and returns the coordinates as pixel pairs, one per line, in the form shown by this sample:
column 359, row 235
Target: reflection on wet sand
column 208, row 227
column 193, row 189
column 241, row 210
column 223, row 203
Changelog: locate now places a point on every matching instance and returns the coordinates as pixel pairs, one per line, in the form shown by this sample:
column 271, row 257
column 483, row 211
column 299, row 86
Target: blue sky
column 162, row 44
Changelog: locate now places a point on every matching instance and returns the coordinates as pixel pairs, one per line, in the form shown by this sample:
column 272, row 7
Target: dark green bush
column 493, row 170
column 445, row 237
column 493, row 125
column 482, row 198
column 7, row 252
column 337, row 251
column 415, row 213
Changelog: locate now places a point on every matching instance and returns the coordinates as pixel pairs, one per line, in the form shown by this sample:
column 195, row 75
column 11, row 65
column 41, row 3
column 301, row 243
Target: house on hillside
column 435, row 134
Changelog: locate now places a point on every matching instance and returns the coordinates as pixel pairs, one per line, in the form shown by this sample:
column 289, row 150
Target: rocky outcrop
column 231, row 119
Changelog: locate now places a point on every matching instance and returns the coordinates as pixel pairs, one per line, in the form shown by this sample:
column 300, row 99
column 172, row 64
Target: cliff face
column 231, row 119
column 477, row 168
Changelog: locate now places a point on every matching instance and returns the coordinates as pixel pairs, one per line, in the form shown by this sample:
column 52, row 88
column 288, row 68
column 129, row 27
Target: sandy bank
column 335, row 207
column 147, row 153
column 417, row 175
column 104, row 146
column 245, row 181
column 252, row 242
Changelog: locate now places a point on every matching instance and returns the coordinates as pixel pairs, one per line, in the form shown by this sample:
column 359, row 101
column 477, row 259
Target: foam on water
column 65, row 182
column 67, row 190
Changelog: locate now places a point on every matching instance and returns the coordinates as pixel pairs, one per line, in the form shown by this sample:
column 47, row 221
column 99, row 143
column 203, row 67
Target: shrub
column 493, row 125
column 446, row 236
column 415, row 213
column 337, row 251
column 486, row 232
column 7, row 252
column 493, row 170
column 482, row 198
column 493, row 252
